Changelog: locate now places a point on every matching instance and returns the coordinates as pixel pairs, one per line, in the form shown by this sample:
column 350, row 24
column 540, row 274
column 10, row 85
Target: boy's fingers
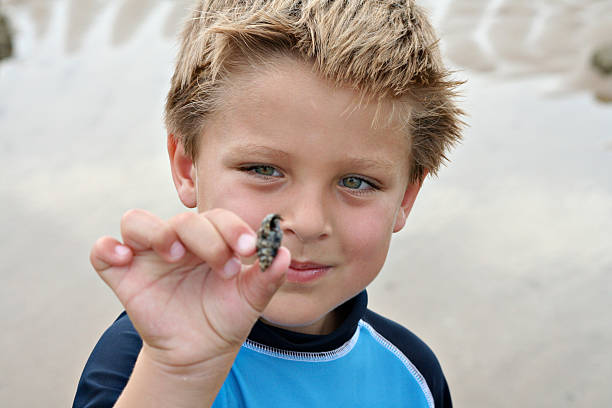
column 139, row 229
column 165, row 242
column 142, row 230
column 108, row 252
column 107, row 256
column 234, row 230
column 201, row 238
column 258, row 287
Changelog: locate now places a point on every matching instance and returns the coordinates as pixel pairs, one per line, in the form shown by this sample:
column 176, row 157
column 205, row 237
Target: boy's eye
column 355, row 183
column 263, row 170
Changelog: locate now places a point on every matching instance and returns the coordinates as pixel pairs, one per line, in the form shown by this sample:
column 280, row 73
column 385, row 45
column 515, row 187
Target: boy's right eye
column 263, row 170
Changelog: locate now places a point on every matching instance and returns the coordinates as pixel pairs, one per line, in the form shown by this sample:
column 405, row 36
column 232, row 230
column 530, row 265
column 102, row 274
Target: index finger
column 215, row 236
column 236, row 232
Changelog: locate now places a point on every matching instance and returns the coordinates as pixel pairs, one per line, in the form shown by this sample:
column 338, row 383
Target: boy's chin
column 308, row 323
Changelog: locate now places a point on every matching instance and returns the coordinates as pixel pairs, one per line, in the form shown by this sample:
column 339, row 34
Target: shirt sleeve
column 418, row 353
column 109, row 366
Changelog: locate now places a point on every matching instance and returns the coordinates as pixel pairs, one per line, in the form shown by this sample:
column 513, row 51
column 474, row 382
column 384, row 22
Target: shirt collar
column 353, row 310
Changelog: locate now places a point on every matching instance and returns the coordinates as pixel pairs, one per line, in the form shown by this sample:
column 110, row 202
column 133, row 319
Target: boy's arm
column 189, row 298
column 153, row 385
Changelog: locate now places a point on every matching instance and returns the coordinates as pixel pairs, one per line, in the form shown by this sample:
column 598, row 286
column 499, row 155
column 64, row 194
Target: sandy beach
column 504, row 268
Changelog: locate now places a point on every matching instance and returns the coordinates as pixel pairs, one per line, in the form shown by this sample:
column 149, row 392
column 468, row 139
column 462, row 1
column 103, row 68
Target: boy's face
column 289, row 143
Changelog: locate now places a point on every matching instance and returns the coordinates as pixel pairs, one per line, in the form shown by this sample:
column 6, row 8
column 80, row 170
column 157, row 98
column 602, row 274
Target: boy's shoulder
column 405, row 340
column 109, row 366
column 398, row 338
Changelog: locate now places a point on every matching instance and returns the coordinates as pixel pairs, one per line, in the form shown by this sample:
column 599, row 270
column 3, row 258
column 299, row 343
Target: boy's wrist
column 198, row 370
column 154, row 384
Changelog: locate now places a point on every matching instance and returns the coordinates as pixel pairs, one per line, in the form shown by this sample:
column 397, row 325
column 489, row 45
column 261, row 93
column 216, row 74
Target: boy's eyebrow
column 367, row 163
column 356, row 162
column 255, row 149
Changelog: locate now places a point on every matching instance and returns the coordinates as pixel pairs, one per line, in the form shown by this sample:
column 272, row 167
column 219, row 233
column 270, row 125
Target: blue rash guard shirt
column 368, row 361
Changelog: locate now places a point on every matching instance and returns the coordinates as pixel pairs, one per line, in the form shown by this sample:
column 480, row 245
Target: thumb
column 259, row 287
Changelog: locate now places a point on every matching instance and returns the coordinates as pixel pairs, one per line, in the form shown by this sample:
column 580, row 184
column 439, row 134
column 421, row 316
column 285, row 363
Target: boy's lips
column 302, row 272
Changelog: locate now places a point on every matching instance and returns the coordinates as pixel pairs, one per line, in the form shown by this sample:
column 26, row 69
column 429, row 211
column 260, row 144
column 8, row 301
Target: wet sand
column 504, row 268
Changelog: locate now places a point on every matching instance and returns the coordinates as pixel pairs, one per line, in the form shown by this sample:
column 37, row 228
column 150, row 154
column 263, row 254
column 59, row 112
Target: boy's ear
column 183, row 172
column 410, row 195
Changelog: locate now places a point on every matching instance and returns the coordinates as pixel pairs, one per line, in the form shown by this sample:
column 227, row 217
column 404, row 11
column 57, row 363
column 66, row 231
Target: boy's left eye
column 263, row 170
column 355, row 183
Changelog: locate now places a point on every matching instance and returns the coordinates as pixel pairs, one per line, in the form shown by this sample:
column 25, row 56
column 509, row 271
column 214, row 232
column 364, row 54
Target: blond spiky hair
column 386, row 49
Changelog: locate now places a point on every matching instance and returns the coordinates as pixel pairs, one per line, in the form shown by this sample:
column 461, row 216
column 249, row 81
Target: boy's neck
column 326, row 325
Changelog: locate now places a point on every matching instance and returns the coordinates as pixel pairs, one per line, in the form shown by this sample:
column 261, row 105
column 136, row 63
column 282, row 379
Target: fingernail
column 122, row 250
column 246, row 244
column 177, row 250
column 231, row 268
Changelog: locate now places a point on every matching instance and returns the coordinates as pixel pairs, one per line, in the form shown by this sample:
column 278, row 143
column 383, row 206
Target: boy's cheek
column 370, row 236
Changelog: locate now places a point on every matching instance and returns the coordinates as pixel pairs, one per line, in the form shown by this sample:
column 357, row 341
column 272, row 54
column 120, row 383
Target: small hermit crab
column 269, row 238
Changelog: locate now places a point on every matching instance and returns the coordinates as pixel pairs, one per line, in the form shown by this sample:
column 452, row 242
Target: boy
column 329, row 113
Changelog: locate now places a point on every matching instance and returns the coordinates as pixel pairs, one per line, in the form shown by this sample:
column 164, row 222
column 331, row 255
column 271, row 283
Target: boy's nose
column 307, row 218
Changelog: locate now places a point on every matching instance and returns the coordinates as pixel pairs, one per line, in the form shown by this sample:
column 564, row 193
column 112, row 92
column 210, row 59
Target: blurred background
column 504, row 269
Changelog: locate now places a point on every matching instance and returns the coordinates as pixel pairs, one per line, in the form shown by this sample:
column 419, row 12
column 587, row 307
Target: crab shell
column 269, row 238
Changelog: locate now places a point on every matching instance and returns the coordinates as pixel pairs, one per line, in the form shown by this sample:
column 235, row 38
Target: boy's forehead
column 285, row 79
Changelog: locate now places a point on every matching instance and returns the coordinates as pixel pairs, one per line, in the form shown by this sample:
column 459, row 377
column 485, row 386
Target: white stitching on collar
column 304, row 355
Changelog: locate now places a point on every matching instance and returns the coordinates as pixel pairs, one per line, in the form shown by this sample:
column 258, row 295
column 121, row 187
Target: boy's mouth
column 302, row 272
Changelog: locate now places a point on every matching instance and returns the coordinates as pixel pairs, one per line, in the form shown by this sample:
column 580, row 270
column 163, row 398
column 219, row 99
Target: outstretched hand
column 183, row 285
